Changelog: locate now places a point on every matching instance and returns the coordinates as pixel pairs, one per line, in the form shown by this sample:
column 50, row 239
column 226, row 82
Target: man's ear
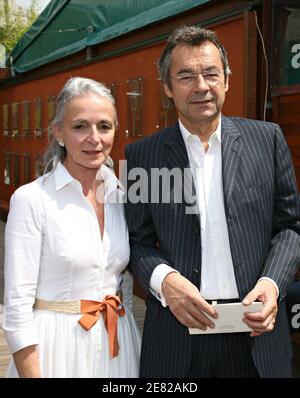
column 226, row 85
column 167, row 90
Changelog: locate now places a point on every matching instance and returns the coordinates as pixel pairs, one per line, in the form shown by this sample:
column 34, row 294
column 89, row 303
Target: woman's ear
column 57, row 133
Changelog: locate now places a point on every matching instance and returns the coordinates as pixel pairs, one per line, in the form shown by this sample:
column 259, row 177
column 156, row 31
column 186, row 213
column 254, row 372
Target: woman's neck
column 86, row 177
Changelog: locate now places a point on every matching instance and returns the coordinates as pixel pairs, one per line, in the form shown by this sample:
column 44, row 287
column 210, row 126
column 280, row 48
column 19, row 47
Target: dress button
column 196, row 271
column 197, row 229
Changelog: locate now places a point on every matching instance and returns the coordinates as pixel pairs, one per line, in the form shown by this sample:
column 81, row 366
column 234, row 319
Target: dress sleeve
column 23, row 241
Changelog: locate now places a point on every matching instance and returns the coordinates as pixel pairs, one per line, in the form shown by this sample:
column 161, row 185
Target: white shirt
column 54, row 251
column 217, row 272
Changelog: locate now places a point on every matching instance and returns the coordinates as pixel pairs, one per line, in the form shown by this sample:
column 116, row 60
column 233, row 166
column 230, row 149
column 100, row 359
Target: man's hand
column 186, row 303
column 264, row 321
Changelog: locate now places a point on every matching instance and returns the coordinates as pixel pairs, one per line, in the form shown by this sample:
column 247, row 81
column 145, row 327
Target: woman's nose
column 94, row 134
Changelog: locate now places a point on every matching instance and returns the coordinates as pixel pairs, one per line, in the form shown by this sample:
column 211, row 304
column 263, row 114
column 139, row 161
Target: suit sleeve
column 284, row 255
column 145, row 254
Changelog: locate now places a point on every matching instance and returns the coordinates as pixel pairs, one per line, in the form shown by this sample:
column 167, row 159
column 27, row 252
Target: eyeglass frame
column 193, row 76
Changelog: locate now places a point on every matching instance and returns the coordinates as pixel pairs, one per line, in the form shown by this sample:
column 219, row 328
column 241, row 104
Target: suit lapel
column 231, row 150
column 175, row 150
column 176, row 156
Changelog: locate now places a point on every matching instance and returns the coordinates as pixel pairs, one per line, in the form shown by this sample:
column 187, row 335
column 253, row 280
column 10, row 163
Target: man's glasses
column 189, row 79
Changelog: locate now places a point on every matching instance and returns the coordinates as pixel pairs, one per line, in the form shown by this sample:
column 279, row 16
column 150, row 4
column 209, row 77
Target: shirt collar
column 186, row 134
column 111, row 182
column 62, row 176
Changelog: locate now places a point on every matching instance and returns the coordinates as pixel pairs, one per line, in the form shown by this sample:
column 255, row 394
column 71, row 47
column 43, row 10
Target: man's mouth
column 201, row 101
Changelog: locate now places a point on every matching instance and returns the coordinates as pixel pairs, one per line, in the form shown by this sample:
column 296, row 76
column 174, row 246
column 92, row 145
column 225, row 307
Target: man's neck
column 203, row 130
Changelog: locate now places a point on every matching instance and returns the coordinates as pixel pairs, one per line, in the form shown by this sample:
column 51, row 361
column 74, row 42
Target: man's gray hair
column 191, row 36
column 74, row 87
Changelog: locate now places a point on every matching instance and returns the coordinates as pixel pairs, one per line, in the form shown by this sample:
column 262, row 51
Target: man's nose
column 200, row 83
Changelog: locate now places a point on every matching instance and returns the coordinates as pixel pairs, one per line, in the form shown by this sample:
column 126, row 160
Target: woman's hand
column 27, row 362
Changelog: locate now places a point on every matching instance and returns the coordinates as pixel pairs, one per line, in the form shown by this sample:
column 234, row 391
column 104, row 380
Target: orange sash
column 111, row 308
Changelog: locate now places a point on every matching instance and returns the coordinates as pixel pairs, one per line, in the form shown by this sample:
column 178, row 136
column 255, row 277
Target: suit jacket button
column 196, row 271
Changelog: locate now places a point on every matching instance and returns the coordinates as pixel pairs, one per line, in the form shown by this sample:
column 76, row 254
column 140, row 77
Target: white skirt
column 67, row 350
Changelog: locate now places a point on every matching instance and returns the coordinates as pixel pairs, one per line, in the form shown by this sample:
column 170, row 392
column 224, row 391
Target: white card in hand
column 230, row 318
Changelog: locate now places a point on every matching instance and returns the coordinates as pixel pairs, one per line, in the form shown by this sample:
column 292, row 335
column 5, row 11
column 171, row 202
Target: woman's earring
column 61, row 143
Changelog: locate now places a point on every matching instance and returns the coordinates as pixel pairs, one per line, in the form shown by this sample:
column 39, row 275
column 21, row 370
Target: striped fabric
column 263, row 211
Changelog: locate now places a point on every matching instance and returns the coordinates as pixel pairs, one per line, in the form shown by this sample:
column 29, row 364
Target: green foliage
column 14, row 23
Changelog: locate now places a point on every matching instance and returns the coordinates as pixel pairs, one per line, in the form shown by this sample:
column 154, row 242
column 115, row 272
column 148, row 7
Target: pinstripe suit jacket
column 263, row 211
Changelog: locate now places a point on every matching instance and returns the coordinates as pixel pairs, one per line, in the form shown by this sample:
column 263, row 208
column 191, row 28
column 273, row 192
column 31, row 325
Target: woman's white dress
column 54, row 251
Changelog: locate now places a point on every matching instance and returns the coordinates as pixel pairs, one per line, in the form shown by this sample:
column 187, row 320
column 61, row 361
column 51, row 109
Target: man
column 241, row 243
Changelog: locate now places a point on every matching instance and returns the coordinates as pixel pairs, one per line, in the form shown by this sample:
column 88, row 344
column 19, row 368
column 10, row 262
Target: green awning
column 68, row 26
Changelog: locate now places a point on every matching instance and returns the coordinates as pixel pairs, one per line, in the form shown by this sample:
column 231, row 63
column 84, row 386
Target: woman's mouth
column 91, row 153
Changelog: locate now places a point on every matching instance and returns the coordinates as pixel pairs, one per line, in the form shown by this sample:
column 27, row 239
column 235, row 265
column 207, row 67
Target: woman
column 66, row 247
